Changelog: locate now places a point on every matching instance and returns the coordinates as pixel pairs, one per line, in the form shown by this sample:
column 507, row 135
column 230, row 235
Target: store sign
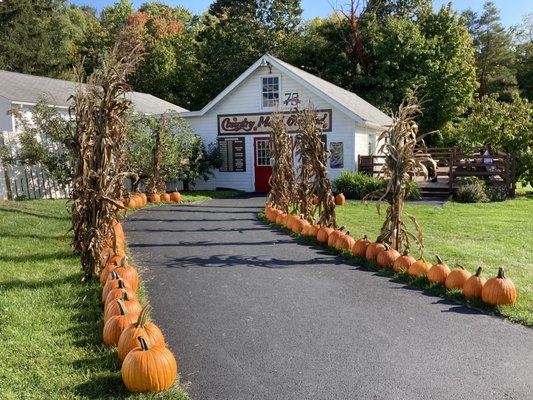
column 231, row 124
column 233, row 156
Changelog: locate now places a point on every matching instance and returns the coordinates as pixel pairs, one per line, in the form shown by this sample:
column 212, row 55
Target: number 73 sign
column 291, row 99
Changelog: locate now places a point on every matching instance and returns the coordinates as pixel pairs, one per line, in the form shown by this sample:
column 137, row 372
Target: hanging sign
column 230, row 124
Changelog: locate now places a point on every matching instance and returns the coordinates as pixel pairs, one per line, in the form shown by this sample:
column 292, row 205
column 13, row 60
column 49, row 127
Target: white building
column 238, row 118
column 24, row 91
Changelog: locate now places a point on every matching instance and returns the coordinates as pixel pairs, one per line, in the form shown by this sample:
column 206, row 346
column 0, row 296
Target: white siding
column 246, row 98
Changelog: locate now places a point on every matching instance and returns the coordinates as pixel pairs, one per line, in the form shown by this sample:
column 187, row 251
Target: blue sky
column 511, row 11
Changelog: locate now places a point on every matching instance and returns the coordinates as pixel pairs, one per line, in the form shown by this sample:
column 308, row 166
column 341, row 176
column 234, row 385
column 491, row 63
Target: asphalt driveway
column 251, row 314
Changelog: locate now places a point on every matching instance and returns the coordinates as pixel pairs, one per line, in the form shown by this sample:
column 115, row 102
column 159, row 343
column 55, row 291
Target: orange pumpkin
column 112, row 308
column 111, row 264
column 386, row 258
column 457, row 278
column 299, row 225
column 132, row 202
column 333, row 236
column 340, row 200
column 113, row 282
column 119, row 292
column 144, row 199
column 313, row 230
column 360, row 246
column 128, row 273
column 499, row 290
column 403, row 262
column 344, row 242
column 438, row 272
column 115, row 325
column 155, row 198
column 280, row 218
column 149, row 368
column 419, row 268
column 373, row 250
column 323, row 234
column 143, row 327
column 165, row 197
column 474, row 285
column 175, row 197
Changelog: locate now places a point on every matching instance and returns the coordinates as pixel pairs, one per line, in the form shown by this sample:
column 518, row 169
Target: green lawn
column 50, row 322
column 487, row 235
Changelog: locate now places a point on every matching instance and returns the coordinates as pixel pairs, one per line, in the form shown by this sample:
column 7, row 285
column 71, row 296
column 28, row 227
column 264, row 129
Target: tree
column 494, row 56
column 506, row 126
column 235, row 33
column 524, row 57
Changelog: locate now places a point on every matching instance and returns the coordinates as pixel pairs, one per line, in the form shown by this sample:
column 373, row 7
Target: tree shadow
column 33, row 213
column 38, row 257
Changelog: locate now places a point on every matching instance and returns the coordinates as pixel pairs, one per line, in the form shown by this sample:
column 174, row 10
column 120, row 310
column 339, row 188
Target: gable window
column 269, row 91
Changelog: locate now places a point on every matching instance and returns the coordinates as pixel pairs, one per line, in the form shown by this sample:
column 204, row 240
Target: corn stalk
column 282, row 180
column 313, row 174
column 399, row 147
column 99, row 111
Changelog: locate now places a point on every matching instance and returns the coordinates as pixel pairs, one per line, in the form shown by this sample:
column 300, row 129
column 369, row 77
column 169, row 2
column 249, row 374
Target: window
column 232, row 154
column 262, row 157
column 337, row 155
column 269, row 91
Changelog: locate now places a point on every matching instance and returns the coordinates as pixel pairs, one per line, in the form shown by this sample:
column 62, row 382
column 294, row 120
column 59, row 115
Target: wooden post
column 450, row 173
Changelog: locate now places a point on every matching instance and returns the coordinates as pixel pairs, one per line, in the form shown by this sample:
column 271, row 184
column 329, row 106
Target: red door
column 262, row 167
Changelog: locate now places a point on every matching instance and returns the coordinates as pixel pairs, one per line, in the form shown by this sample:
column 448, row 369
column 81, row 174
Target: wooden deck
column 454, row 164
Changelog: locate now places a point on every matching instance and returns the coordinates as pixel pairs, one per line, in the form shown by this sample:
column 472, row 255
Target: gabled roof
column 23, row 88
column 347, row 102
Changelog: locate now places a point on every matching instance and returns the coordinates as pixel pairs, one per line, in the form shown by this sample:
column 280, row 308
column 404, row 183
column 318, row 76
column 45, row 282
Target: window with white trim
column 262, row 156
column 269, row 91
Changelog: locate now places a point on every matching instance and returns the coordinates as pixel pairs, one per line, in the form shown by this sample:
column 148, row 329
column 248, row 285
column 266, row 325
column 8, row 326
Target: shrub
column 471, row 190
column 496, row 193
column 356, row 185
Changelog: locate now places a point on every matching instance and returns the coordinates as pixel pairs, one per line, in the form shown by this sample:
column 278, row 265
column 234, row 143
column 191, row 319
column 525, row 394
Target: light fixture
column 265, row 63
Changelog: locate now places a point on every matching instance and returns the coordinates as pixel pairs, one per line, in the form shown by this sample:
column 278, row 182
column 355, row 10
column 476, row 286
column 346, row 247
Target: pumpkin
column 115, row 325
column 359, row 247
column 111, row 264
column 323, row 234
column 333, row 236
column 386, row 258
column 143, row 327
column 313, row 230
column 113, row 282
column 144, row 199
column 112, row 308
column 132, row 202
column 499, row 290
column 165, row 197
column 373, row 250
column 403, row 262
column 128, row 273
column 419, row 268
column 280, row 218
column 473, row 286
column 149, row 368
column 118, row 292
column 175, row 197
column 340, row 200
column 344, row 242
column 438, row 272
column 457, row 278
column 154, row 198
column 299, row 225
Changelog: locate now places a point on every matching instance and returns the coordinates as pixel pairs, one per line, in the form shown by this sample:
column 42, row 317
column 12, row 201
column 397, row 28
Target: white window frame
column 261, row 91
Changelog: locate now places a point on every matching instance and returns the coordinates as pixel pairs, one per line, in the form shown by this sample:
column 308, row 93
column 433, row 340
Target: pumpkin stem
column 122, row 307
column 121, row 284
column 405, row 252
column 144, row 316
column 365, row 237
column 124, row 262
column 144, row 345
column 459, row 266
column 114, row 275
column 439, row 259
column 501, row 273
column 478, row 272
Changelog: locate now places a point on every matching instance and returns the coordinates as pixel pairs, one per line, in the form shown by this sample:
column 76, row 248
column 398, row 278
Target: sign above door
column 231, row 124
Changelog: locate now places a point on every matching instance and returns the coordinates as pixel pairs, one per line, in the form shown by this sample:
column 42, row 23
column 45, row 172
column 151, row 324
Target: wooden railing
column 454, row 163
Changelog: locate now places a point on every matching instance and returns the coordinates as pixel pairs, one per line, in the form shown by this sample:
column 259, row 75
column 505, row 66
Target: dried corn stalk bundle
column 312, row 173
column 157, row 183
column 399, row 142
column 99, row 110
column 282, row 180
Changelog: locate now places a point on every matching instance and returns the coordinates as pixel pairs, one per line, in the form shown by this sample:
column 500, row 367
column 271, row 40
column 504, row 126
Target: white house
column 24, row 91
column 238, row 118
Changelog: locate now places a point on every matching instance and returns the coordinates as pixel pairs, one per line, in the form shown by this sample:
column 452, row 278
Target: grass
column 473, row 235
column 50, row 322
